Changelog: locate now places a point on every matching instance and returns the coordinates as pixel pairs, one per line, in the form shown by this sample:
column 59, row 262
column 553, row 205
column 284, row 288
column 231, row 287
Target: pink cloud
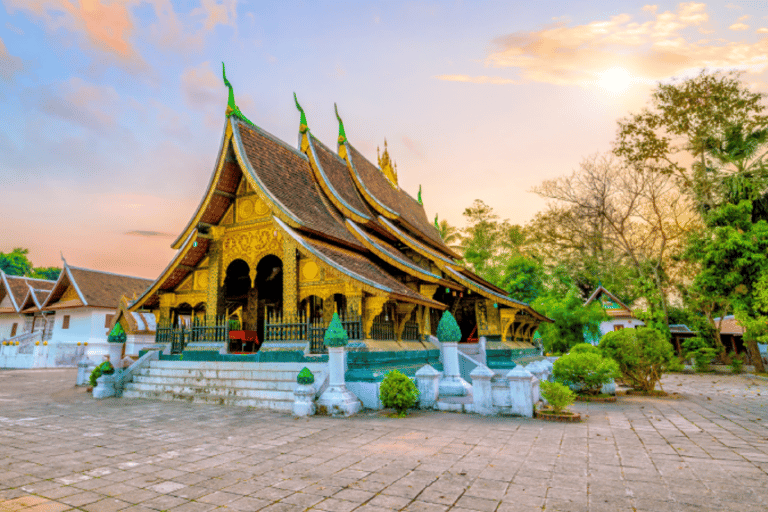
column 477, row 79
column 10, row 66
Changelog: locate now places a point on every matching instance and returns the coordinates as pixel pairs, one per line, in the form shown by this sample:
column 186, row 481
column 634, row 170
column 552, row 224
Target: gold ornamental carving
column 309, row 271
column 201, row 280
column 372, row 307
column 251, row 246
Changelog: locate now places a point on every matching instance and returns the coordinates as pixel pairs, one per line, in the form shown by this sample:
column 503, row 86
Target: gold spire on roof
column 386, row 165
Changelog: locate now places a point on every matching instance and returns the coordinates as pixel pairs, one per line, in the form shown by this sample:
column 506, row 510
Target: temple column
column 424, row 315
column 166, row 302
column 214, row 275
column 290, row 278
column 372, row 307
column 404, row 310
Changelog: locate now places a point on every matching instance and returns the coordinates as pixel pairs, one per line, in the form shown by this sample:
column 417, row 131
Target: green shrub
column 398, row 392
column 585, row 371
column 560, row 397
column 643, row 355
column 448, row 329
column 581, row 348
column 700, row 351
column 737, row 363
column 104, row 368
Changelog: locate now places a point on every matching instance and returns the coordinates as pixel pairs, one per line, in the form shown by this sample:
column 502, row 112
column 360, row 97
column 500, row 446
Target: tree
column 523, row 278
column 636, row 218
column 571, row 320
column 50, row 273
column 683, row 118
column 450, row 235
column 733, row 256
column 16, row 263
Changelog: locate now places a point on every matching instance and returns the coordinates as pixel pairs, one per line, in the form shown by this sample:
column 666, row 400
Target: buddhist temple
column 285, row 236
column 620, row 315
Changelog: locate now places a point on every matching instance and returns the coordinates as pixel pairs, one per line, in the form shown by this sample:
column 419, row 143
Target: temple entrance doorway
column 240, row 308
column 268, row 289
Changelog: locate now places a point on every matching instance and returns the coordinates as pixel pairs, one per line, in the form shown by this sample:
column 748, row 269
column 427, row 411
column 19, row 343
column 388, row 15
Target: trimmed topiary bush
column 643, row 355
column 582, row 348
column 737, row 363
column 448, row 329
column 305, row 377
column 585, row 372
column 398, row 392
column 117, row 335
column 560, row 397
column 335, row 335
column 104, row 368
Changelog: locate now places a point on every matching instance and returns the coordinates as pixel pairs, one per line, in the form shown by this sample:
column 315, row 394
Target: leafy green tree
column 523, row 278
column 571, row 320
column 16, row 263
column 450, row 235
column 733, row 254
column 643, row 355
column 50, row 273
column 585, row 371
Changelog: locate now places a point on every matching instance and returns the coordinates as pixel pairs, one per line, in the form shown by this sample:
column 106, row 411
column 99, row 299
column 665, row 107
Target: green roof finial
column 437, row 224
column 303, row 123
column 232, row 109
column 342, row 133
column 419, row 197
column 335, row 335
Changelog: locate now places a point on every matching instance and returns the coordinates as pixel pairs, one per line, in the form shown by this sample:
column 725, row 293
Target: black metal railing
column 383, row 330
column 198, row 331
column 296, row 326
column 411, row 331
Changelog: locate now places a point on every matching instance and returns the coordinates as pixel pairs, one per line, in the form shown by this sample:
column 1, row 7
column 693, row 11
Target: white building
column 14, row 291
column 85, row 302
column 621, row 316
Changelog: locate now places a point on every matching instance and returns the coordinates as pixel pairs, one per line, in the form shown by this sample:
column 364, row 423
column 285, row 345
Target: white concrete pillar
column 452, row 384
column 482, row 356
column 538, row 370
column 482, row 396
column 337, row 399
column 304, row 400
column 428, row 382
column 520, row 392
column 82, row 372
column 105, row 386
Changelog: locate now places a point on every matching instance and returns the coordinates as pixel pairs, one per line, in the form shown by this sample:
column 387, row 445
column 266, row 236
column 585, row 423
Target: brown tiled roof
column 364, row 267
column 730, row 325
column 34, row 299
column 396, row 200
column 97, row 288
column 287, row 177
column 338, row 175
column 17, row 287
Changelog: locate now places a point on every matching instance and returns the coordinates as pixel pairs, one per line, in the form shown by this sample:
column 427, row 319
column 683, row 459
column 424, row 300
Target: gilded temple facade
column 285, row 236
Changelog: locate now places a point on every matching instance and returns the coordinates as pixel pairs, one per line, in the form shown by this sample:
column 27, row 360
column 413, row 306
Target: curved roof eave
column 180, row 254
column 367, row 194
column 408, row 240
column 225, row 137
column 329, row 189
column 403, row 265
column 245, row 164
column 8, row 291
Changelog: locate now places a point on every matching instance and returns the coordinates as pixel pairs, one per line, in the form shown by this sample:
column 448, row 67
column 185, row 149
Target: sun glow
column 615, row 80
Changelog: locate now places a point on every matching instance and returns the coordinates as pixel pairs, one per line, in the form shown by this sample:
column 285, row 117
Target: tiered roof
column 338, row 206
column 611, row 304
column 15, row 289
column 92, row 288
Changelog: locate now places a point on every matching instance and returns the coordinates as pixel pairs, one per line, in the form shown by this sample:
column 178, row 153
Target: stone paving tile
column 707, row 450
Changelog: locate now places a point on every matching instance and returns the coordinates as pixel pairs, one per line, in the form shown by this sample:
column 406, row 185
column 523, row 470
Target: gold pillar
column 166, row 301
column 425, row 315
column 290, row 277
column 404, row 310
column 214, row 275
column 372, row 307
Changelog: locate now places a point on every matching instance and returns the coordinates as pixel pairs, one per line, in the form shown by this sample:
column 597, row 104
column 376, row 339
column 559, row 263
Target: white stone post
column 547, row 364
column 428, row 382
column 337, row 399
column 482, row 342
column 482, row 396
column 520, row 393
column 540, row 373
column 304, row 400
column 452, row 384
column 82, row 372
column 105, row 386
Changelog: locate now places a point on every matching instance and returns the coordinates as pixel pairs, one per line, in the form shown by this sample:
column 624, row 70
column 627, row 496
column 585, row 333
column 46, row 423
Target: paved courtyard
column 62, row 450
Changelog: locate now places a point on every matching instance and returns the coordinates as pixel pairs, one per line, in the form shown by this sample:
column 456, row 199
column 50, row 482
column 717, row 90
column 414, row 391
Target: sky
column 112, row 112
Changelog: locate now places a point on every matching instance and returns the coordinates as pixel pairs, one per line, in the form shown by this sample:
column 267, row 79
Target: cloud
column 10, row 66
column 739, row 26
column 477, row 79
column 107, row 26
column 79, row 102
column 651, row 50
column 413, row 146
column 762, row 30
column 216, row 14
column 200, row 86
column 14, row 29
column 177, row 33
column 149, row 234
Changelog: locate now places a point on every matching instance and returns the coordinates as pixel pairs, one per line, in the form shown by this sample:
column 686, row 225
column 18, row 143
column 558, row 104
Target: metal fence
column 198, row 331
column 297, row 326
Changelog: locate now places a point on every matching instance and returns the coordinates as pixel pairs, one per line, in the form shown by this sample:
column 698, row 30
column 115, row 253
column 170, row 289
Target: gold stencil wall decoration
column 69, row 294
column 245, row 209
column 201, row 280
column 185, row 285
column 309, row 271
column 250, row 246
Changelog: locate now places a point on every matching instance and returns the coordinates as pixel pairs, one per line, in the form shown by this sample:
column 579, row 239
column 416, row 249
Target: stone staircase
column 259, row 385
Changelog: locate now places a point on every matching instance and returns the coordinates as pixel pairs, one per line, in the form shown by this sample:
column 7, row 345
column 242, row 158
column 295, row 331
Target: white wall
column 6, row 324
column 85, row 324
column 628, row 323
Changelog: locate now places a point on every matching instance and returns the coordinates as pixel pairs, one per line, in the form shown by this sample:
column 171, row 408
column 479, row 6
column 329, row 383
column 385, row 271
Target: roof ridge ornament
column 303, row 128
column 419, row 196
column 342, row 134
column 232, row 108
column 437, row 224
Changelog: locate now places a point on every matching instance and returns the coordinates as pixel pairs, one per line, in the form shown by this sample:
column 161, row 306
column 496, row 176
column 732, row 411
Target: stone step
column 232, row 365
column 159, row 380
column 212, row 390
column 455, row 403
column 222, row 373
column 274, row 404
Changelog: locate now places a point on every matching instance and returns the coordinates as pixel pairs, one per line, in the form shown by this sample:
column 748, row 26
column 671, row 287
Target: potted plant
column 559, row 397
